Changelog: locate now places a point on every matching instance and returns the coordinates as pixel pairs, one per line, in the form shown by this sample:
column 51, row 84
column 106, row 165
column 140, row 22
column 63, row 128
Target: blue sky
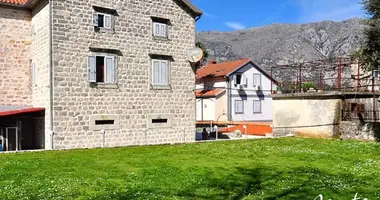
column 228, row 15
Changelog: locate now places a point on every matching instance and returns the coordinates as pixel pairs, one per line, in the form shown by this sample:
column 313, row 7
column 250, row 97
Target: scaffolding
column 335, row 74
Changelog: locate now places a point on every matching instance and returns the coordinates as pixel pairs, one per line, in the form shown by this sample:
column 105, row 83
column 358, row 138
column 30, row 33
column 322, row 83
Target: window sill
column 103, row 30
column 160, row 87
column 161, row 38
column 104, row 85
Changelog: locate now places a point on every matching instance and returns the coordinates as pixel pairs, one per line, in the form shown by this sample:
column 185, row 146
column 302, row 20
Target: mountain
column 285, row 43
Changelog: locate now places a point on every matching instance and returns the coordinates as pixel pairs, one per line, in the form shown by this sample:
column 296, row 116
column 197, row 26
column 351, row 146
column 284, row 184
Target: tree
column 205, row 52
column 369, row 53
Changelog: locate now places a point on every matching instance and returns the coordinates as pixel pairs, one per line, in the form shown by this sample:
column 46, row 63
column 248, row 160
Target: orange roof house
column 238, row 90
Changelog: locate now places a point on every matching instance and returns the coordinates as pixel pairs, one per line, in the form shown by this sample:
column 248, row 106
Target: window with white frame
column 102, row 20
column 239, row 107
column 160, row 72
column 160, row 29
column 102, row 69
column 256, row 80
column 257, row 107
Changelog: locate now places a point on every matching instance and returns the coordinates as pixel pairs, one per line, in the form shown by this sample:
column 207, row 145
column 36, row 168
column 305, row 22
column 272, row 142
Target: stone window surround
column 160, row 57
column 108, row 12
column 106, row 52
column 151, row 117
column 162, row 21
column 114, row 126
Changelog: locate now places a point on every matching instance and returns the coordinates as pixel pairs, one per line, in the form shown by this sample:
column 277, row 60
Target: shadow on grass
column 299, row 183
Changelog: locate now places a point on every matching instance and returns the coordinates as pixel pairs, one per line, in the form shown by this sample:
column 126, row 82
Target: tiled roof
column 19, row 2
column 188, row 3
column 208, row 93
column 220, row 69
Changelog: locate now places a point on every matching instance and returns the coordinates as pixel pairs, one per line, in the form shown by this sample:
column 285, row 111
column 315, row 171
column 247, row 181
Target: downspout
column 51, row 71
column 229, row 99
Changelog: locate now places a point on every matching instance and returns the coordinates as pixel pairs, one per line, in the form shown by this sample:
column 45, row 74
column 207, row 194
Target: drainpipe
column 51, row 71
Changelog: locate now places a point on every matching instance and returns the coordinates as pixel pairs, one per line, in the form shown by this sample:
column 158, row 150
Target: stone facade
column 132, row 98
column 15, row 70
column 41, row 61
column 77, row 105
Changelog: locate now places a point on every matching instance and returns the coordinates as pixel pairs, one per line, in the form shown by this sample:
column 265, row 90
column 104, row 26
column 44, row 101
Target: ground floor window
column 257, row 107
column 239, row 107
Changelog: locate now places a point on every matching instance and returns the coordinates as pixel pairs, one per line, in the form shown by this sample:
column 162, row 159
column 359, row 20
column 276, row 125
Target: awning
column 20, row 111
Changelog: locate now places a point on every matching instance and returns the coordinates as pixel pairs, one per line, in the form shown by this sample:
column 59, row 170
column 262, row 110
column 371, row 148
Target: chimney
column 212, row 62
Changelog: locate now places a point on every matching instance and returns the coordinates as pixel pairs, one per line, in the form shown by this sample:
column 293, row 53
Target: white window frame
column 167, row 72
column 254, row 108
column 105, row 73
column 256, row 75
column 161, row 25
column 104, row 20
column 242, row 109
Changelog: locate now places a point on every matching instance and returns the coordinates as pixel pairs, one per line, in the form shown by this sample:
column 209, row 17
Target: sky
column 229, row 15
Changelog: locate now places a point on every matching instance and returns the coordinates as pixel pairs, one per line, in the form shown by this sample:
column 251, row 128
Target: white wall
column 211, row 84
column 208, row 109
column 249, row 94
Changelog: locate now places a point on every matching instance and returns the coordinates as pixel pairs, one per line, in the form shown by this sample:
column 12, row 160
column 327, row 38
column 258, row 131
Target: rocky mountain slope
column 285, row 43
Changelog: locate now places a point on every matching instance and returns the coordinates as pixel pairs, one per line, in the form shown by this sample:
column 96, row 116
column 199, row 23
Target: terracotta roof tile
column 220, row 69
column 20, row 2
column 208, row 93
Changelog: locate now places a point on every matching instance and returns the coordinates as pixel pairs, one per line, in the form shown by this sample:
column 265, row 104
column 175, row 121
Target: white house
column 234, row 91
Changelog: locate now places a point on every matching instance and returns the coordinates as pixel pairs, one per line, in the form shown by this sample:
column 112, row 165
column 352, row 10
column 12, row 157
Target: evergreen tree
column 369, row 53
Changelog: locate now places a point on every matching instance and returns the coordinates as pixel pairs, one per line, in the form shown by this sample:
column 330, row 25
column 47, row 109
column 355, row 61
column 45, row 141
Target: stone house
column 83, row 74
column 238, row 91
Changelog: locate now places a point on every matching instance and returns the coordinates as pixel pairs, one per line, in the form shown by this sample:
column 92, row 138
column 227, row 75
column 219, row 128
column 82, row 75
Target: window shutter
column 164, row 73
column 163, row 30
column 235, row 79
column 243, row 80
column 109, row 69
column 107, row 21
column 91, row 69
column 156, row 72
column 95, row 19
column 156, row 29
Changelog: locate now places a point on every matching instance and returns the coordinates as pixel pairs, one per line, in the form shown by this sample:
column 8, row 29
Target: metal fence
column 364, row 116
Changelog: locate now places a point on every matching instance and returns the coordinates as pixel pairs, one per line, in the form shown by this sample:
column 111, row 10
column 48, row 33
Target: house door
column 12, row 139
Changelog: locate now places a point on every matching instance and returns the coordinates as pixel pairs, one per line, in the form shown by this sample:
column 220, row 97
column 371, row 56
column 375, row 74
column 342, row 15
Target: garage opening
column 22, row 129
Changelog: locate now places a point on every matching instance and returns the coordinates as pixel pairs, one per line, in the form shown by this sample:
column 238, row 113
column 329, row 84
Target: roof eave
column 195, row 10
column 12, row 5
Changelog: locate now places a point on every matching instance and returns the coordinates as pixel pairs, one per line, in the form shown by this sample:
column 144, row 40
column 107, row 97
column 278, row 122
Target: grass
column 255, row 169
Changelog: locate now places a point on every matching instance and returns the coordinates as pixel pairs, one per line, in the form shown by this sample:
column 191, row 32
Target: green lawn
column 255, row 169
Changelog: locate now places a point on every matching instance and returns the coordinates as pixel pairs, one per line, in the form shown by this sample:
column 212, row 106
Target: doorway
column 10, row 139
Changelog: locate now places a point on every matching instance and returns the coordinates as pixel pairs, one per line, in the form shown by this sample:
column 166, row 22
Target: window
column 102, row 20
column 160, row 72
column 256, row 107
column 101, row 69
column 238, row 79
column 239, row 107
column 160, row 29
column 256, row 80
column 104, row 122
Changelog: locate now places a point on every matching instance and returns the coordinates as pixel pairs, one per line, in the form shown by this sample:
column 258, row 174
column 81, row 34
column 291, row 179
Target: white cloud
column 235, row 25
column 335, row 10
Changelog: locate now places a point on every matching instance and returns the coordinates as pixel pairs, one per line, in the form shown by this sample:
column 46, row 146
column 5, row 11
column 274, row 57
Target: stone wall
column 41, row 60
column 132, row 99
column 306, row 117
column 15, row 70
column 369, row 131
